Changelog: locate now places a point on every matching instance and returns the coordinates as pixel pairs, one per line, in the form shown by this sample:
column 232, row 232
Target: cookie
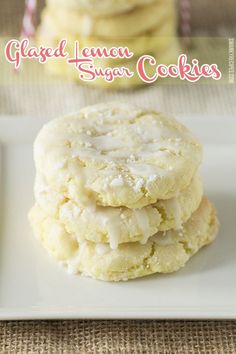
column 127, row 24
column 119, row 225
column 163, row 253
column 68, row 72
column 117, row 154
column 100, row 7
column 157, row 40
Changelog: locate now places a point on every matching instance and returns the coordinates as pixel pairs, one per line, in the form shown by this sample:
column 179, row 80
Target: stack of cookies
column 144, row 26
column 118, row 194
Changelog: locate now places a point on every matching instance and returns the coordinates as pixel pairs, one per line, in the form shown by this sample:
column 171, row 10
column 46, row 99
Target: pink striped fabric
column 28, row 28
column 185, row 21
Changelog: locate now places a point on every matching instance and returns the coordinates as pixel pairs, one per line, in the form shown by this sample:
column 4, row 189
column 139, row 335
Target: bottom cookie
column 163, row 253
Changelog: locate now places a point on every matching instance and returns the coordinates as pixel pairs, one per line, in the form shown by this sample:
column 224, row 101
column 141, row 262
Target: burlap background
column 113, row 337
column 212, row 17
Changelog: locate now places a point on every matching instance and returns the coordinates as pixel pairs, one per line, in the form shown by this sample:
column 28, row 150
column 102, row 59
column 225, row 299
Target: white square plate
column 33, row 286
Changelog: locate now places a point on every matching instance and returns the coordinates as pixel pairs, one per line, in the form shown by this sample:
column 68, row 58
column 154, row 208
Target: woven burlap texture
column 131, row 337
column 164, row 337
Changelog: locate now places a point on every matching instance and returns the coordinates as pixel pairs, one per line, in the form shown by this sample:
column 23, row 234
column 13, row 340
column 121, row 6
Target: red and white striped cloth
column 28, row 28
column 185, row 21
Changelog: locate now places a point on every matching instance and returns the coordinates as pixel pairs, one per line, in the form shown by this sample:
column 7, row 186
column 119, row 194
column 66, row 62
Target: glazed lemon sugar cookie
column 163, row 253
column 116, row 154
column 104, row 81
column 101, row 7
column 123, row 25
column 144, row 26
column 119, row 225
column 117, row 192
column 158, row 40
column 69, row 72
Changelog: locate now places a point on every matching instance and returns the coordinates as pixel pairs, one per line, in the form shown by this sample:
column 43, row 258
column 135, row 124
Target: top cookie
column 127, row 24
column 117, row 155
column 101, row 7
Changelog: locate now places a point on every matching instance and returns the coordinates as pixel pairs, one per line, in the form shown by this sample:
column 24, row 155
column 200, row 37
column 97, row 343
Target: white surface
column 33, row 286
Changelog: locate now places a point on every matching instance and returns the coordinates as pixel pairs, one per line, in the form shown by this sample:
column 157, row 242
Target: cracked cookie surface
column 119, row 225
column 116, row 155
column 163, row 253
